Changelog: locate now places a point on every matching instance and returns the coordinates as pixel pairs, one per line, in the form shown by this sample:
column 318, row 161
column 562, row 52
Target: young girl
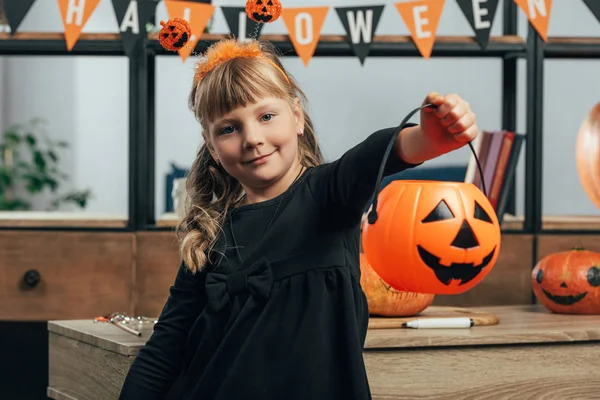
column 267, row 302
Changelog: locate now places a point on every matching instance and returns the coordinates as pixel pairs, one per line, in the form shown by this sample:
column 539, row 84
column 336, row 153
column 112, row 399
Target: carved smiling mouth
column 565, row 300
column 261, row 17
column 464, row 272
column 182, row 40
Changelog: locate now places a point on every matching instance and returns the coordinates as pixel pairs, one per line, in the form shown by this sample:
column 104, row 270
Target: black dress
column 282, row 315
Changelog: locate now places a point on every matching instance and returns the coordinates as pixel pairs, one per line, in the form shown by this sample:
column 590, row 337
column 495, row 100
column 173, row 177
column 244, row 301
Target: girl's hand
column 448, row 126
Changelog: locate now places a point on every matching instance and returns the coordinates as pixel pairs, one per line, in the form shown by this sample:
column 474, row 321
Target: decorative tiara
column 226, row 50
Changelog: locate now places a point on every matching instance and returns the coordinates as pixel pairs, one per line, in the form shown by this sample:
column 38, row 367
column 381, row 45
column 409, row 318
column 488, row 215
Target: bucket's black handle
column 372, row 217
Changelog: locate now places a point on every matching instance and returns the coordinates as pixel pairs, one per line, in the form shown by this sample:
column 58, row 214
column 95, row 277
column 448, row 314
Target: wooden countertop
column 53, row 219
column 518, row 325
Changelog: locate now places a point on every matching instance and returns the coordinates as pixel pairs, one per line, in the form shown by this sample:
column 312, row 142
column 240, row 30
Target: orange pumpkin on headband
column 432, row 237
column 174, row 34
column 263, row 11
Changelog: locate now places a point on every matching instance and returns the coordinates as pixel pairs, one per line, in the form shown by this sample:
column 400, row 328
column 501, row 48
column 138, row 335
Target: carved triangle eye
column 481, row 214
column 440, row 212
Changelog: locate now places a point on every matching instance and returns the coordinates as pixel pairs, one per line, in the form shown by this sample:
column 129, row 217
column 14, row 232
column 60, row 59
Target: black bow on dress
column 256, row 280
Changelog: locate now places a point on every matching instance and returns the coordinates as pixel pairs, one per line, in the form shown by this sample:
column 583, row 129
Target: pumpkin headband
column 226, row 50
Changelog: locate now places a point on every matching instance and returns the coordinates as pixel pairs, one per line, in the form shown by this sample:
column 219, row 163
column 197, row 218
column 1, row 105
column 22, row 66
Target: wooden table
column 531, row 354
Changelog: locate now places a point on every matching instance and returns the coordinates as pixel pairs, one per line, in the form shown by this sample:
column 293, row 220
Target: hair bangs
column 234, row 84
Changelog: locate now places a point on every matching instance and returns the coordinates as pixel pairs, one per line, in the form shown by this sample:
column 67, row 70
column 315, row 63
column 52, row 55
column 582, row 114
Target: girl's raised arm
column 345, row 186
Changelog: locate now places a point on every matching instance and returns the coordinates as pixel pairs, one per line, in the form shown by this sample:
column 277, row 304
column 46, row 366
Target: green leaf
column 39, row 160
column 52, row 155
column 31, row 140
column 12, row 138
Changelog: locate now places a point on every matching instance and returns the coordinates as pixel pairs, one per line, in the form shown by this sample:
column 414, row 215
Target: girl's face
column 258, row 144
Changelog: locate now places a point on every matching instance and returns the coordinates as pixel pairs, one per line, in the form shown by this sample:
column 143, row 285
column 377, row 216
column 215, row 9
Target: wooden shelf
column 572, row 47
column 59, row 36
column 42, row 219
column 556, row 222
column 382, row 46
column 168, row 220
column 511, row 39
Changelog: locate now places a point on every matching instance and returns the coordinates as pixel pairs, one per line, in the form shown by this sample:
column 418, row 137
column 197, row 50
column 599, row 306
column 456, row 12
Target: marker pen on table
column 439, row 323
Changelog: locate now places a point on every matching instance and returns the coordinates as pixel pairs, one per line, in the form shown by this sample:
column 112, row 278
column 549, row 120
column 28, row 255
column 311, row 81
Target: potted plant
column 29, row 166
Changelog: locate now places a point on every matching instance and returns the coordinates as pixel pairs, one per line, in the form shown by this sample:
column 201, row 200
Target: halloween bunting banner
column 15, row 11
column 594, row 7
column 303, row 24
column 74, row 16
column 239, row 24
column 480, row 15
column 538, row 14
column 132, row 17
column 360, row 24
column 422, row 18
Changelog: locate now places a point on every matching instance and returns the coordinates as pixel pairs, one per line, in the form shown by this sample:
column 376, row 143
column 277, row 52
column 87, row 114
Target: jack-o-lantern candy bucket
column 432, row 237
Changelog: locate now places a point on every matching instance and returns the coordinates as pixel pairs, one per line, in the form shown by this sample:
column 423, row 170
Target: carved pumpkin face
column 568, row 282
column 263, row 11
column 432, row 237
column 174, row 34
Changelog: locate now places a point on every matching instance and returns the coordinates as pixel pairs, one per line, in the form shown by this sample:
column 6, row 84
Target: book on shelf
column 498, row 153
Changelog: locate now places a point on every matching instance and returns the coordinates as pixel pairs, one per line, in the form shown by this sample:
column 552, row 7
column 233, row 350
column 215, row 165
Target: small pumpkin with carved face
column 432, row 237
column 568, row 282
column 174, row 34
column 263, row 11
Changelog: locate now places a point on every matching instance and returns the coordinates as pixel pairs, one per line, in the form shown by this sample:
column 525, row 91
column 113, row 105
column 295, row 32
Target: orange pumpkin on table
column 587, row 155
column 568, row 282
column 385, row 301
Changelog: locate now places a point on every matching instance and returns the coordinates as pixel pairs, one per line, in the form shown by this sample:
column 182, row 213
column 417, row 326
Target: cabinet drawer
column 65, row 275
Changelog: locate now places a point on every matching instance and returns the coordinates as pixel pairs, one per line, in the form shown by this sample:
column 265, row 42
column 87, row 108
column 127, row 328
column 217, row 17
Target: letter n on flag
column 304, row 25
column 538, row 14
column 422, row 18
column 75, row 14
column 196, row 14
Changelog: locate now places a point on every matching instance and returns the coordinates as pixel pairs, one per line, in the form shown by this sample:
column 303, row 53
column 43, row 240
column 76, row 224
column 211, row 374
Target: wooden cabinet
column 78, row 275
column 62, row 275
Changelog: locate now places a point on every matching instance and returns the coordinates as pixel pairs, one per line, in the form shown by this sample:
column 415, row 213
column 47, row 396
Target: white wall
column 93, row 114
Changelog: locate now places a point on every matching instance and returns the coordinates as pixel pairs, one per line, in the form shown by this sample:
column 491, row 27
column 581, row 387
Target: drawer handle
column 31, row 278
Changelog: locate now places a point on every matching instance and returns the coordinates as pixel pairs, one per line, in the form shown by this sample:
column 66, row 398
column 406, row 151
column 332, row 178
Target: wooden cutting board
column 479, row 318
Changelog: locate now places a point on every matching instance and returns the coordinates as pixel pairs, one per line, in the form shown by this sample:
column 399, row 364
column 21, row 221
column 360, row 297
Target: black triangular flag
column 132, row 17
column 15, row 11
column 594, row 6
column 480, row 15
column 360, row 24
column 240, row 25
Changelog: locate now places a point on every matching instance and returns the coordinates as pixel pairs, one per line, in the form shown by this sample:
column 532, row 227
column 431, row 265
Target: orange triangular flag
column 304, row 26
column 538, row 14
column 197, row 14
column 422, row 18
column 75, row 15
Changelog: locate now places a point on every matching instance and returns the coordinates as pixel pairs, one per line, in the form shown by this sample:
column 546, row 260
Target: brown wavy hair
column 211, row 191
